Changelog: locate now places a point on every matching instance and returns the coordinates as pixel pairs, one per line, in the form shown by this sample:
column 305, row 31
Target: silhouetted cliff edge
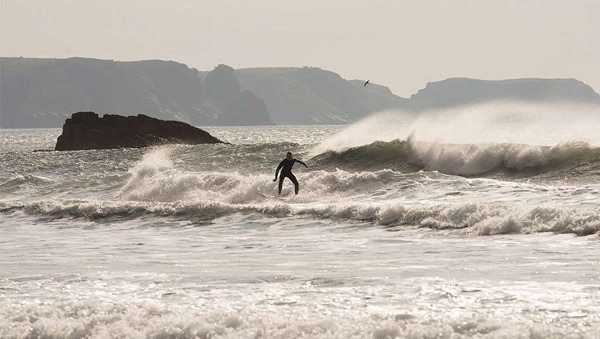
column 40, row 93
column 462, row 91
column 234, row 106
column 311, row 95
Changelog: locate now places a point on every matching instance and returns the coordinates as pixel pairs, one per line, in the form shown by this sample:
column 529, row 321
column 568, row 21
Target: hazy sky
column 401, row 44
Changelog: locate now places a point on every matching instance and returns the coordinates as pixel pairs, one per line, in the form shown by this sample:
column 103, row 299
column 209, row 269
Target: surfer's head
column 289, row 156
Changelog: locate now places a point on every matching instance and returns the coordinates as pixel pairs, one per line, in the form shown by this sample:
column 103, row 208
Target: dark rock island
column 86, row 130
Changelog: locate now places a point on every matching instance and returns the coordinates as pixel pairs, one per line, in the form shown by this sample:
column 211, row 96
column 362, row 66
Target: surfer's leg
column 281, row 177
column 295, row 181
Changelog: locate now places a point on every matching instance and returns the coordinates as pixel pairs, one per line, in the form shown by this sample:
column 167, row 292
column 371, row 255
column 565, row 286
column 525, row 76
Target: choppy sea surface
column 394, row 238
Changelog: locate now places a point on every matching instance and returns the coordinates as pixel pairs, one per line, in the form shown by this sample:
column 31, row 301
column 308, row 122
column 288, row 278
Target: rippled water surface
column 184, row 241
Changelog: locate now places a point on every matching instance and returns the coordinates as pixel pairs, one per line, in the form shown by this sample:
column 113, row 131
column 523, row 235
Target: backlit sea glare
column 177, row 242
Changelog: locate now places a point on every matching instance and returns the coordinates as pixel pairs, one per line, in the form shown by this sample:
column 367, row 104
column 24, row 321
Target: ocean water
column 389, row 237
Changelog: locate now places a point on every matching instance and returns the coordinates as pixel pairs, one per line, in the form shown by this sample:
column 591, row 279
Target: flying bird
column 366, row 83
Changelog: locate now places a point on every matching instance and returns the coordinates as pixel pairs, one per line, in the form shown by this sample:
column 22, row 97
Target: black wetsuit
column 286, row 172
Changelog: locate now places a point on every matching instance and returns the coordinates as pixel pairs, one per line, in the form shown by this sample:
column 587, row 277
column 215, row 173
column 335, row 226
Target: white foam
column 432, row 308
column 155, row 178
column 484, row 158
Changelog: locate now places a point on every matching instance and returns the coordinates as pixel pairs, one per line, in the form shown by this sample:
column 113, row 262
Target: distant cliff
column 462, row 91
column 43, row 92
column 235, row 107
column 310, row 95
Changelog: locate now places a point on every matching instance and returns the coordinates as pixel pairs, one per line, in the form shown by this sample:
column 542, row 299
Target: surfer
column 286, row 171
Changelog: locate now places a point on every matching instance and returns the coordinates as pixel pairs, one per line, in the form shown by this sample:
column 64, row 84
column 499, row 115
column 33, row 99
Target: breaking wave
column 469, row 218
column 468, row 160
column 155, row 178
column 18, row 181
column 425, row 199
column 478, row 219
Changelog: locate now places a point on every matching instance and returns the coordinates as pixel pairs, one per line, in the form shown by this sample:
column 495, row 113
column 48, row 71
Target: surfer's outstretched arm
column 277, row 170
column 299, row 161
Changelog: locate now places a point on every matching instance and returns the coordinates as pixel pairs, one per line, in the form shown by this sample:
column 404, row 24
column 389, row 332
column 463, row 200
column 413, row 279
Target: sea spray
column 497, row 122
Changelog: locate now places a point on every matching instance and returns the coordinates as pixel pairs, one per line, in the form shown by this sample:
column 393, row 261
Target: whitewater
column 400, row 229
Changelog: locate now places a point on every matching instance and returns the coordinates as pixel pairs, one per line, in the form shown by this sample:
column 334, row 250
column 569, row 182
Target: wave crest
column 466, row 160
column 469, row 218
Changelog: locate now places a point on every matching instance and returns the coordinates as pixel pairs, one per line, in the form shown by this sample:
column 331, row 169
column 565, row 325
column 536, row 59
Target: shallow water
column 190, row 241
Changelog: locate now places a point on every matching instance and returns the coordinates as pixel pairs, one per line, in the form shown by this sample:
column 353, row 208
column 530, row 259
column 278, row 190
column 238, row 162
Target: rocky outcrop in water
column 86, row 130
